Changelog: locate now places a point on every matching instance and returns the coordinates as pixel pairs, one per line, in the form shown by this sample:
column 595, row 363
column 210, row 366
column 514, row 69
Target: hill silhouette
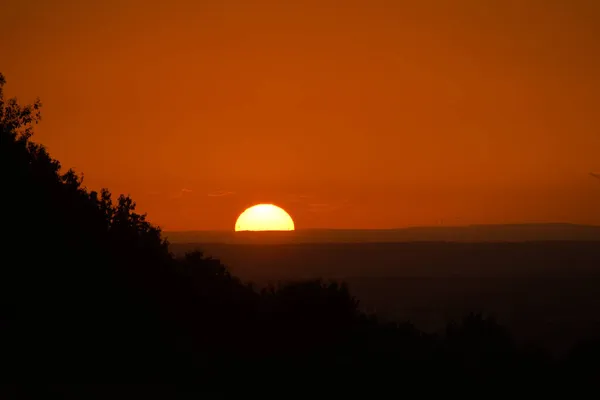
column 471, row 233
column 91, row 294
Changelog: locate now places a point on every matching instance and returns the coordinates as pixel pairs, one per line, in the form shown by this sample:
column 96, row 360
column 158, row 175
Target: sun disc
column 264, row 217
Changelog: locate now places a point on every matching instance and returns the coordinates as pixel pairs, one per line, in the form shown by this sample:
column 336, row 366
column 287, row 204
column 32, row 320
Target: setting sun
column 264, row 217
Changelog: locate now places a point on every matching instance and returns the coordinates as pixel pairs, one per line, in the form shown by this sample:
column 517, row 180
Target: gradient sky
column 349, row 114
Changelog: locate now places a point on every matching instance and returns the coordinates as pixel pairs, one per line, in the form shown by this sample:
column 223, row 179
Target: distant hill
column 471, row 233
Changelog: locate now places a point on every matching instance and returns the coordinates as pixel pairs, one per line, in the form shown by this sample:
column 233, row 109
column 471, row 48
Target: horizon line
column 395, row 229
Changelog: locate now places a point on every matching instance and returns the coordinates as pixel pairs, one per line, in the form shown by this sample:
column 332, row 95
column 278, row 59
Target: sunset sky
column 348, row 114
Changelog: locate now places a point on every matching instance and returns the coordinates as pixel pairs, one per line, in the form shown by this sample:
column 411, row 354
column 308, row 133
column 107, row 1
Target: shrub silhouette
column 91, row 293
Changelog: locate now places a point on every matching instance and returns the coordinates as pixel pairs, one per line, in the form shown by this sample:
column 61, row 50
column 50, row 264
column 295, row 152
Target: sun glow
column 264, row 217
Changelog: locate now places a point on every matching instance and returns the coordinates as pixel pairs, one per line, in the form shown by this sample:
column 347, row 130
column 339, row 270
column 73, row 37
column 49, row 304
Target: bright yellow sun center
column 264, row 217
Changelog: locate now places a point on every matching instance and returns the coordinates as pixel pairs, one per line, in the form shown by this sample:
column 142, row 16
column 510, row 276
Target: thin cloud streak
column 181, row 193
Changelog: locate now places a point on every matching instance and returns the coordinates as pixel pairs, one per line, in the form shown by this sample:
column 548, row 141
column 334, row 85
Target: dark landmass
column 404, row 260
column 544, row 291
column 472, row 233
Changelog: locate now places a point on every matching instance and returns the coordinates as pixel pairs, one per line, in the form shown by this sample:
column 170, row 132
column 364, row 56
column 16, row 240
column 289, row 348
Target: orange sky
column 348, row 114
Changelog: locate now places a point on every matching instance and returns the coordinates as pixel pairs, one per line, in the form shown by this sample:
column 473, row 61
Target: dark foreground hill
column 90, row 294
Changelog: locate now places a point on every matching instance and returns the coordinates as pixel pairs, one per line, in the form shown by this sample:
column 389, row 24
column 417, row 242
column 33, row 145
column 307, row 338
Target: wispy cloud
column 595, row 175
column 181, row 193
column 221, row 193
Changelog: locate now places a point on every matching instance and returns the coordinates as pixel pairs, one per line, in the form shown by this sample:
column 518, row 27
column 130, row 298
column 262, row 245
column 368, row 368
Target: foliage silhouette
column 90, row 293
